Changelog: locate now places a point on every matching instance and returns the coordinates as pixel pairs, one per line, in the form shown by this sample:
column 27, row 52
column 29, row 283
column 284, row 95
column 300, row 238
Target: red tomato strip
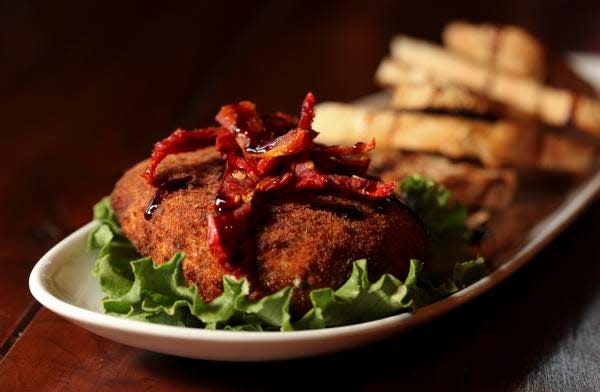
column 307, row 112
column 264, row 154
column 179, row 141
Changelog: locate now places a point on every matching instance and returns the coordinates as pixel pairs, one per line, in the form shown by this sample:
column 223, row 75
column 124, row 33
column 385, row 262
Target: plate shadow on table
column 512, row 337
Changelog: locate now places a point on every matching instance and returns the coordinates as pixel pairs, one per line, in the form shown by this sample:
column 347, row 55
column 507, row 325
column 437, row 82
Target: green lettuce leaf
column 137, row 288
column 444, row 222
column 358, row 300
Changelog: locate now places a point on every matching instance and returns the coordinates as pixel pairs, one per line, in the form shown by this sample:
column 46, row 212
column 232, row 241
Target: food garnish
column 265, row 154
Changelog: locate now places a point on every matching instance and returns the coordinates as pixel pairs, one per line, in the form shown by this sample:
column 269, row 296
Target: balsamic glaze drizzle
column 162, row 191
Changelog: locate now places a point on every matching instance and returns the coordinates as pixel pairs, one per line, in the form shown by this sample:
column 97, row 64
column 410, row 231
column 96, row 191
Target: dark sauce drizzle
column 162, row 191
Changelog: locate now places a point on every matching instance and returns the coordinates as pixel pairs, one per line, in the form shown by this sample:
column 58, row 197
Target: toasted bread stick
column 508, row 48
column 392, row 73
column 494, row 144
column 500, row 143
column 553, row 106
column 431, row 96
column 414, row 89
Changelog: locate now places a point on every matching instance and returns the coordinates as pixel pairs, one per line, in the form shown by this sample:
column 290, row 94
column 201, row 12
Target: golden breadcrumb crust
column 306, row 240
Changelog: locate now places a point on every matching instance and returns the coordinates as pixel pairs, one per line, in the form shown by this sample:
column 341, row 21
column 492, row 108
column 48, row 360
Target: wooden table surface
column 86, row 88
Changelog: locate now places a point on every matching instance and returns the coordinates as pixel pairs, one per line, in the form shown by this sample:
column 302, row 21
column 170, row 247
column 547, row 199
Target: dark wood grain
column 88, row 87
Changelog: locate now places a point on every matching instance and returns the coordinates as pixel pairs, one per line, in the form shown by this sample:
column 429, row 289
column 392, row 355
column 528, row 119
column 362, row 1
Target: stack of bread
column 473, row 113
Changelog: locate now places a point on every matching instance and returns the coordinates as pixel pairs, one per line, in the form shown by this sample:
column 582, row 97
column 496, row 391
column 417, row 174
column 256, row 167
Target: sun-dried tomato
column 179, row 141
column 293, row 142
column 362, row 186
column 340, row 151
column 307, row 112
column 279, row 123
column 307, row 177
column 263, row 154
column 241, row 118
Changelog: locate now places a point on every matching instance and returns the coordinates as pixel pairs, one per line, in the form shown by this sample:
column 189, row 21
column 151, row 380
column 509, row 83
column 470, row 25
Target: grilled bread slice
column 554, row 106
column 495, row 144
column 507, row 48
column 414, row 89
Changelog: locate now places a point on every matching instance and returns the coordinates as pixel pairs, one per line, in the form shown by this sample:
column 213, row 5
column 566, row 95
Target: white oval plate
column 62, row 282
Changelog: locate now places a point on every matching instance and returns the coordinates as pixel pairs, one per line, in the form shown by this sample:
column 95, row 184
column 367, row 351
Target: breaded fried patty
column 307, row 240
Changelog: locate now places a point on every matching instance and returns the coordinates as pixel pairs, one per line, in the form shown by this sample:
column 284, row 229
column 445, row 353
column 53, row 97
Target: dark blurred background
column 144, row 60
